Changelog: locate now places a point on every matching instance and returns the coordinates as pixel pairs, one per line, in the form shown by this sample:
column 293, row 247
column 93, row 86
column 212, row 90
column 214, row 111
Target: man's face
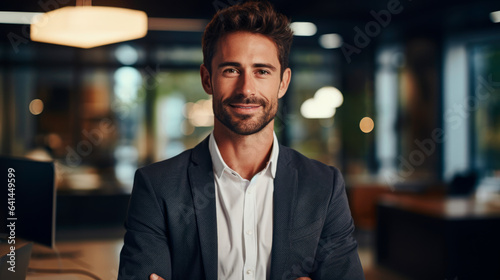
column 245, row 82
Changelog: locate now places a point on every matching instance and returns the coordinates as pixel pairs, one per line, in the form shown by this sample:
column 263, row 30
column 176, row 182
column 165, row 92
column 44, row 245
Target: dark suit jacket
column 171, row 222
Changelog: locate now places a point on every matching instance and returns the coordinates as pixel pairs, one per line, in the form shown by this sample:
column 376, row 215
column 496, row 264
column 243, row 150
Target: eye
column 230, row 71
column 263, row 72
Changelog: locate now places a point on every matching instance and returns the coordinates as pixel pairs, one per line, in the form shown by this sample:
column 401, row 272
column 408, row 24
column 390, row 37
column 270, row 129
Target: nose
column 246, row 84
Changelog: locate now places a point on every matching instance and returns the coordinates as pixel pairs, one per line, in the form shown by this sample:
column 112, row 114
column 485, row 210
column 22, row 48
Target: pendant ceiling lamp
column 87, row 26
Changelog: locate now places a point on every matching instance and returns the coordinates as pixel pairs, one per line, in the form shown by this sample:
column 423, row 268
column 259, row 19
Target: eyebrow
column 255, row 65
column 264, row 65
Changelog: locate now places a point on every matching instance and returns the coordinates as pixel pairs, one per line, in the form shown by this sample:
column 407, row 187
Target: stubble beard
column 243, row 124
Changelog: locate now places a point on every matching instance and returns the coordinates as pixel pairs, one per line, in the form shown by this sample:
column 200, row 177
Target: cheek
column 269, row 85
column 224, row 85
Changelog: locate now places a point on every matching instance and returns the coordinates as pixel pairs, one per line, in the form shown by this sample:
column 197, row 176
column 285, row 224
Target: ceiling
column 297, row 10
column 337, row 16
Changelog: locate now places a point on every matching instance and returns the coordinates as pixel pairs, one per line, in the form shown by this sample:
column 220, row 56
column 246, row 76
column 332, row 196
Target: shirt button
column 249, row 192
column 249, row 232
column 249, row 272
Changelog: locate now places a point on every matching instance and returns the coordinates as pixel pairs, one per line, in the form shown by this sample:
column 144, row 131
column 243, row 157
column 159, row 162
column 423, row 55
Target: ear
column 285, row 81
column 206, row 82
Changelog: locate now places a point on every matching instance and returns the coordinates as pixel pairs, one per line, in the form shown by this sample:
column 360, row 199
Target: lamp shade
column 89, row 26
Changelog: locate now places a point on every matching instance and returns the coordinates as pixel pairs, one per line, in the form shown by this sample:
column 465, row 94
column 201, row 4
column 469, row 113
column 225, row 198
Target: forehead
column 243, row 45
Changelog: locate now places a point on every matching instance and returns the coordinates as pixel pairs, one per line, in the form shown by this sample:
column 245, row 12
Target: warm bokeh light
column 36, row 107
column 330, row 95
column 323, row 105
column 54, row 141
column 312, row 109
column 199, row 114
column 366, row 125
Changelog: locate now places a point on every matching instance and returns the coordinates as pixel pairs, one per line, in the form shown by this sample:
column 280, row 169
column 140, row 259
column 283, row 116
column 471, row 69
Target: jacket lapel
column 203, row 191
column 285, row 190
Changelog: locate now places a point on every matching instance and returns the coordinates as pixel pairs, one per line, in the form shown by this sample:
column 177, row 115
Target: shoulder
column 198, row 154
column 167, row 167
column 175, row 169
column 314, row 178
column 306, row 165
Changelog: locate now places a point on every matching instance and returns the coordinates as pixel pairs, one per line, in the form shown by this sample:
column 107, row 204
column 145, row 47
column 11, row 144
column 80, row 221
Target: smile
column 244, row 106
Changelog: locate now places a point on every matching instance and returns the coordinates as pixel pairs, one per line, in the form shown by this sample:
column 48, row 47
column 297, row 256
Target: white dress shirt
column 244, row 218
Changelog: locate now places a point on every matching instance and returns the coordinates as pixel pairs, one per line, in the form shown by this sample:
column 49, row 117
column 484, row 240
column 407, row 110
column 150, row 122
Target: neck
column 245, row 154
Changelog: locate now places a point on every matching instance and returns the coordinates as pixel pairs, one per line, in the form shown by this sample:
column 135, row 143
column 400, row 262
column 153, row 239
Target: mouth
column 245, row 106
column 244, row 109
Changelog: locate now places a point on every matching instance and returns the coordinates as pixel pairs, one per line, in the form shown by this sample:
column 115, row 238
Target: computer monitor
column 27, row 200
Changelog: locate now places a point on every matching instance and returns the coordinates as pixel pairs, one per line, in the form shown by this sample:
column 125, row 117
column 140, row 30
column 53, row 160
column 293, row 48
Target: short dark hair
column 255, row 17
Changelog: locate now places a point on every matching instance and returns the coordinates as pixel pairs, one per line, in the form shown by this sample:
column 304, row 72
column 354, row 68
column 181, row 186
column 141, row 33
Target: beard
column 245, row 124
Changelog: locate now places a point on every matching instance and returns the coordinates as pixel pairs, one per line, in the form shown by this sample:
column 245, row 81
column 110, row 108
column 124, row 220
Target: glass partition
column 484, row 105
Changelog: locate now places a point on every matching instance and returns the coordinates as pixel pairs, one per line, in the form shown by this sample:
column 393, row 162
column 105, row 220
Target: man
column 239, row 205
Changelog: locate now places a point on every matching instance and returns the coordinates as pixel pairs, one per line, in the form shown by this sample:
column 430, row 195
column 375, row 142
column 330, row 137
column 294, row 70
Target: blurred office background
column 402, row 96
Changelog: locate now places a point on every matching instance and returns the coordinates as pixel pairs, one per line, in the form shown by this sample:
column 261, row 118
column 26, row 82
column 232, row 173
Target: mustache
column 240, row 98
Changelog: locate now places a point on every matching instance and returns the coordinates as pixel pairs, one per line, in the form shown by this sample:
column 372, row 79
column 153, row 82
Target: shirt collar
column 219, row 165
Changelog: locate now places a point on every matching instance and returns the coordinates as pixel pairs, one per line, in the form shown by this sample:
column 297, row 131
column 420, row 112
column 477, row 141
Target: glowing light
column 54, row 140
column 88, row 26
column 495, row 16
column 330, row 95
column 36, row 107
column 330, row 41
column 128, row 80
column 126, row 55
column 366, row 125
column 18, row 17
column 312, row 109
column 323, row 105
column 199, row 114
column 303, row 28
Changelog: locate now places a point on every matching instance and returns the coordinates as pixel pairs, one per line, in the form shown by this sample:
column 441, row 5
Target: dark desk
column 13, row 264
column 76, row 260
column 438, row 238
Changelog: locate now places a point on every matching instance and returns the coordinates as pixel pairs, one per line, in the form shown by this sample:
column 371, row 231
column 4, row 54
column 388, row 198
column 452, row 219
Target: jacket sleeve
column 336, row 255
column 145, row 250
